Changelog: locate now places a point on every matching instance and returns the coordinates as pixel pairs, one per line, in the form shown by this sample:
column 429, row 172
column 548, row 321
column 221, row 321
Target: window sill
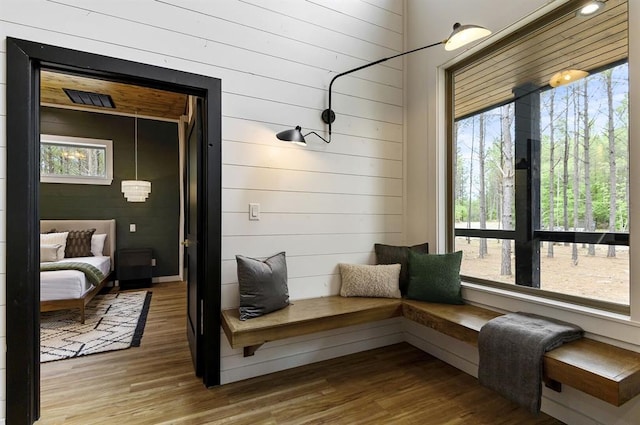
column 76, row 180
column 613, row 328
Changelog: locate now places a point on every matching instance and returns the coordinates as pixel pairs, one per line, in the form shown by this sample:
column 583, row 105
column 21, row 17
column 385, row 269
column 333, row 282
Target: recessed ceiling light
column 591, row 8
column 567, row 77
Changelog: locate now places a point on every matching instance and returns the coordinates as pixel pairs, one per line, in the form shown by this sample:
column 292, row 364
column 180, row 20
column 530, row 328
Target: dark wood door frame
column 24, row 61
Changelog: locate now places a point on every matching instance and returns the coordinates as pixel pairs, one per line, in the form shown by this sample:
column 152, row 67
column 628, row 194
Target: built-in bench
column 602, row 370
column 304, row 317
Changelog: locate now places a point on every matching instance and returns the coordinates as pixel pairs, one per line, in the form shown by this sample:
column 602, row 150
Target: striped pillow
column 58, row 238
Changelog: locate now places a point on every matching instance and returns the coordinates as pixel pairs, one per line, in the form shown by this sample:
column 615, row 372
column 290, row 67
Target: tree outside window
column 557, row 195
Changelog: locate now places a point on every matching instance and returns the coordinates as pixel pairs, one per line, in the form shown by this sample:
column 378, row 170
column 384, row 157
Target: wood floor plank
column 155, row 384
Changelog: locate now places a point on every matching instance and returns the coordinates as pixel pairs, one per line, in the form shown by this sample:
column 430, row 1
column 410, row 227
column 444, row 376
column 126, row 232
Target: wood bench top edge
column 602, row 370
column 299, row 318
column 333, row 305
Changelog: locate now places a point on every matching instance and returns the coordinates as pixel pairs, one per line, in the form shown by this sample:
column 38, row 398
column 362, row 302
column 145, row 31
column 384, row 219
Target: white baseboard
column 306, row 349
column 450, row 350
column 301, row 359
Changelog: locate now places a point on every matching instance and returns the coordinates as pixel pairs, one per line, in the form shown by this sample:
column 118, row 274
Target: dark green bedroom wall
column 157, row 219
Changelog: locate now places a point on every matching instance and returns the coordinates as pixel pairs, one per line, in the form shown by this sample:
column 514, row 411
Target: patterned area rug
column 113, row 322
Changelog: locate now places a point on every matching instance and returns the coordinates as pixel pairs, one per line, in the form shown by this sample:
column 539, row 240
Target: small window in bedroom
column 75, row 160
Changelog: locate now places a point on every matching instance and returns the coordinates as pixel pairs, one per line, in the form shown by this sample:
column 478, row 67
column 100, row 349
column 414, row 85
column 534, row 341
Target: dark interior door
column 193, row 196
column 24, row 59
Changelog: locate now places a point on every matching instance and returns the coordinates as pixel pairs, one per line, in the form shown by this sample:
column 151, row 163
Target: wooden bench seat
column 304, row 317
column 605, row 371
column 602, row 370
column 462, row 322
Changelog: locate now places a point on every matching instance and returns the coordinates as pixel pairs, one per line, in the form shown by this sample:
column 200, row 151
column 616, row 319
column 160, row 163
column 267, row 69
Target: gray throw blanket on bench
column 511, row 348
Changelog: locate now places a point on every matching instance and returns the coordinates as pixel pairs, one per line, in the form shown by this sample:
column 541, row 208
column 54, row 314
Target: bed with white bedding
column 70, row 289
column 63, row 284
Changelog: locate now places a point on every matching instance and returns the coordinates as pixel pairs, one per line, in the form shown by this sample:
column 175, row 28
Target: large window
column 75, row 160
column 539, row 175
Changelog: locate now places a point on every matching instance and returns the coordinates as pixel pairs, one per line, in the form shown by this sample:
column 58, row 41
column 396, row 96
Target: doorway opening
column 25, row 60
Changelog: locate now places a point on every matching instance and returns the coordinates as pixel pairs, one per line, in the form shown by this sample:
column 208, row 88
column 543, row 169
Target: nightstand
column 133, row 267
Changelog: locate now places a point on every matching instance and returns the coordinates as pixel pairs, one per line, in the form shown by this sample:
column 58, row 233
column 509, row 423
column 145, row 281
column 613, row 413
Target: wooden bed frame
column 107, row 227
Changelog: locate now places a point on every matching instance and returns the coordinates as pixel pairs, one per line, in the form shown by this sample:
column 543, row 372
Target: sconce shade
column 464, row 34
column 566, row 77
column 136, row 190
column 293, row 135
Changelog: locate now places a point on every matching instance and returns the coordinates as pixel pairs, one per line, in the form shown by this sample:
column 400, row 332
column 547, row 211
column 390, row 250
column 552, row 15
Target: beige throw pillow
column 361, row 280
column 49, row 252
column 55, row 239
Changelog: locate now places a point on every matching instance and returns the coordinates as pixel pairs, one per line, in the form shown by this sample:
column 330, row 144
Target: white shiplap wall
column 426, row 181
column 322, row 205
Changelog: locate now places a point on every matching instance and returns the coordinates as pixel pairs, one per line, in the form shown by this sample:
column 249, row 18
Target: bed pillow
column 49, row 252
column 97, row 244
column 390, row 254
column 435, row 277
column 361, row 280
column 59, row 238
column 262, row 284
column 79, row 243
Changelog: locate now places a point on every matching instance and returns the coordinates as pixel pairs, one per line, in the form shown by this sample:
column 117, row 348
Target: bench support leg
column 251, row 350
column 554, row 385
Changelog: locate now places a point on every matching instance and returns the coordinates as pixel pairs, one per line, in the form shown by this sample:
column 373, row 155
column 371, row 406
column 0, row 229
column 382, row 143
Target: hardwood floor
column 155, row 384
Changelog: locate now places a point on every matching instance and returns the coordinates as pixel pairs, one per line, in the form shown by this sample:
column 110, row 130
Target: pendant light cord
column 136, row 143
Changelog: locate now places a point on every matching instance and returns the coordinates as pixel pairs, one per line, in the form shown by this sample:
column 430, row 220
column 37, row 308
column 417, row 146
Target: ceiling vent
column 89, row 98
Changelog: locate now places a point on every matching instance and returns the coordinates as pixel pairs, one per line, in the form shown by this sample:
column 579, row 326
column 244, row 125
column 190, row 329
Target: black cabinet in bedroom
column 134, row 267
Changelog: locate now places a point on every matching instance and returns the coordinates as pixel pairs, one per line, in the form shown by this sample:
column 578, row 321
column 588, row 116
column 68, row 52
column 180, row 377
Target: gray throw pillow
column 262, row 284
column 389, row 254
column 435, row 278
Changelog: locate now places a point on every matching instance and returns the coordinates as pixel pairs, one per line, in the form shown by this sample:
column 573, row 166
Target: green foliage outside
column 568, row 127
column 72, row 160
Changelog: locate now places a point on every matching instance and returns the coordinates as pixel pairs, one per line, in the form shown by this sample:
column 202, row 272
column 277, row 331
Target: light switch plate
column 254, row 212
column 132, row 228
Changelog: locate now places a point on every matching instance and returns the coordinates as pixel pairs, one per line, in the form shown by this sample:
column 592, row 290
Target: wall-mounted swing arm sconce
column 461, row 36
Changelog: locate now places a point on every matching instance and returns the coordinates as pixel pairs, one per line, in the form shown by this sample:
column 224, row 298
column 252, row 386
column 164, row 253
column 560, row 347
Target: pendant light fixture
column 136, row 190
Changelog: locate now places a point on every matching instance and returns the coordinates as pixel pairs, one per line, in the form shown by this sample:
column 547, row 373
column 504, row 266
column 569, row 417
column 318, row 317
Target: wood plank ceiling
column 128, row 99
column 569, row 42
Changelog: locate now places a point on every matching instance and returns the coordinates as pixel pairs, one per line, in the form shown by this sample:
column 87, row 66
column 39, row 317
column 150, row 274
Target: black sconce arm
column 328, row 116
column 461, row 35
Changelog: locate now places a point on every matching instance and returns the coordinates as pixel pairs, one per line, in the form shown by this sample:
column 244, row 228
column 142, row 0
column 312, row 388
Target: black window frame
column 527, row 234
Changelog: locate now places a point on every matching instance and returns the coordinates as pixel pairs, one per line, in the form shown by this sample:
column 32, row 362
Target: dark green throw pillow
column 435, row 277
column 263, row 285
column 389, row 254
